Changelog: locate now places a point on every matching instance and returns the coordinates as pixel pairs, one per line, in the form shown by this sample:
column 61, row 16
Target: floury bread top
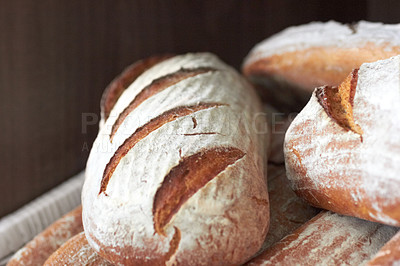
column 181, row 180
column 332, row 33
column 338, row 167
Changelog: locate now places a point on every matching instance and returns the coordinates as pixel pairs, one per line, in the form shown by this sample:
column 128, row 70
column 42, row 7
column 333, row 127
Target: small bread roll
column 342, row 151
column 76, row 252
column 176, row 175
column 289, row 65
column 44, row 244
column 328, row 239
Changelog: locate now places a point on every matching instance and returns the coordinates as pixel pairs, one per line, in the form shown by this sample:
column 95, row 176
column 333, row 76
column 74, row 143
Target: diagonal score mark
column 184, row 180
column 127, row 77
column 144, row 131
column 155, row 87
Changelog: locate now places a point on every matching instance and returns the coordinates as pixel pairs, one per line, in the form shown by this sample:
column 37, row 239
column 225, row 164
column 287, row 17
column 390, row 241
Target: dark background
column 56, row 57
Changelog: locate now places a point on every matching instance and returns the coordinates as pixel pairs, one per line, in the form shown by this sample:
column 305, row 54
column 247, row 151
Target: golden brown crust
column 185, row 179
column 328, row 239
column 43, row 245
column 389, row 254
column 121, row 82
column 305, row 69
column 144, row 131
column 76, row 251
column 338, row 102
column 155, row 87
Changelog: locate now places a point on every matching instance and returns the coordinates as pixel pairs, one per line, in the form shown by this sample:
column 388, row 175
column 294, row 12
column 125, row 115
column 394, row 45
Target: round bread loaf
column 176, row 174
column 289, row 65
column 342, row 151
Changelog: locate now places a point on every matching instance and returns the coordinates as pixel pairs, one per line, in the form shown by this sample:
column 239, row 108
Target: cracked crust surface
column 219, row 222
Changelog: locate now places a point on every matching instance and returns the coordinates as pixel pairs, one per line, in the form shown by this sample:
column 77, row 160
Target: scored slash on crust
column 338, row 102
column 184, row 180
column 121, row 83
column 155, row 87
column 144, row 131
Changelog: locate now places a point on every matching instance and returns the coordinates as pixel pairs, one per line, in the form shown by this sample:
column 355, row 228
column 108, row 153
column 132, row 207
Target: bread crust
column 287, row 210
column 220, row 220
column 389, row 254
column 348, row 171
column 301, row 58
column 76, row 251
column 44, row 244
column 328, row 239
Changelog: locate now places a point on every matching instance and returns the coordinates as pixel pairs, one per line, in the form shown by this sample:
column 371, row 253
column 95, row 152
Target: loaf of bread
column 176, row 174
column 289, row 65
column 328, row 239
column 342, row 151
column 76, row 252
column 43, row 245
column 389, row 254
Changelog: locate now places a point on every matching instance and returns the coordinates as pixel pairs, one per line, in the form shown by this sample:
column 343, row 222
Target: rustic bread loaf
column 289, row 65
column 176, row 174
column 389, row 254
column 43, row 245
column 76, row 251
column 342, row 151
column 328, row 239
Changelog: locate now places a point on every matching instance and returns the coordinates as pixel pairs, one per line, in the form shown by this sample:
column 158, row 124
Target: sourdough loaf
column 176, row 174
column 44, row 244
column 289, row 65
column 342, row 151
column 328, row 239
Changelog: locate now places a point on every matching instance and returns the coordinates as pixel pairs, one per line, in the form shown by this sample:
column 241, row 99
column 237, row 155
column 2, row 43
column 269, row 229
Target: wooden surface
column 56, row 57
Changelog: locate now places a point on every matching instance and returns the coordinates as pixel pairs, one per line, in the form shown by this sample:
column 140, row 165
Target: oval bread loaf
column 176, row 174
column 289, row 65
column 44, row 244
column 342, row 151
column 328, row 239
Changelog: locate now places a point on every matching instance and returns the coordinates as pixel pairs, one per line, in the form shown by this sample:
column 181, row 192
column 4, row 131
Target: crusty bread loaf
column 175, row 176
column 75, row 252
column 289, row 65
column 389, row 254
column 328, row 239
column 342, row 151
column 43, row 245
